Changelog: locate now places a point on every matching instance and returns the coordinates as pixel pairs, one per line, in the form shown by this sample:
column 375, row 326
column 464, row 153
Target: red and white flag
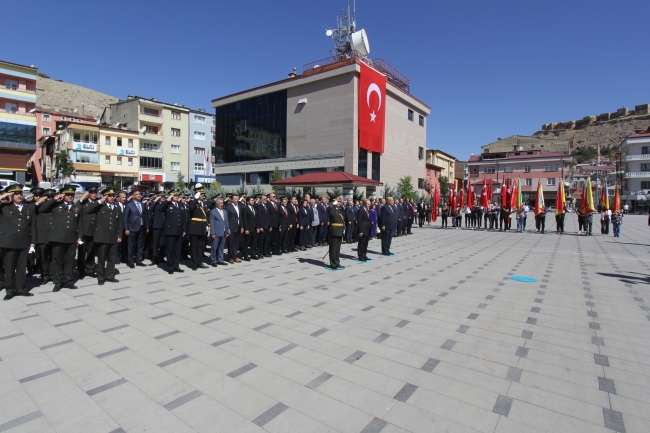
column 372, row 109
column 484, row 193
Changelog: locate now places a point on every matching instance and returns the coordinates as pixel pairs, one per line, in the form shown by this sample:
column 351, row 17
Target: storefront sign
column 127, row 152
column 152, row 177
column 88, row 147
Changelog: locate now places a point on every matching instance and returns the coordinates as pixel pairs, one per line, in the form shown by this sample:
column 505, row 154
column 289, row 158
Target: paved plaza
column 438, row 338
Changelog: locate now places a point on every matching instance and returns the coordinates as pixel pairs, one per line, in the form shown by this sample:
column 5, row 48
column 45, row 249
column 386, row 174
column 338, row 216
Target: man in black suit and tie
column 363, row 230
column 388, row 222
column 235, row 224
column 264, row 223
column 275, row 230
column 422, row 209
column 350, row 219
column 251, row 229
column 136, row 228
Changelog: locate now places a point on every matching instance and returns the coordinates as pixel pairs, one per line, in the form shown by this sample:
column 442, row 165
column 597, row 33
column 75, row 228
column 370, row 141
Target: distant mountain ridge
column 57, row 95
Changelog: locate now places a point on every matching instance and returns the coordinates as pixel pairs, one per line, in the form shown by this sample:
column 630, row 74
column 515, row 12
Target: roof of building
column 538, row 154
column 327, row 178
column 64, row 112
column 155, row 101
column 443, row 153
column 18, row 64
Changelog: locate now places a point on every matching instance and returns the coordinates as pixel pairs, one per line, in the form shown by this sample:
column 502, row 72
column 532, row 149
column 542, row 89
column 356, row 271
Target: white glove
column 197, row 195
column 31, row 250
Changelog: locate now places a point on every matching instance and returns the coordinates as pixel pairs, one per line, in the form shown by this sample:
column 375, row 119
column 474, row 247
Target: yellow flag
column 590, row 197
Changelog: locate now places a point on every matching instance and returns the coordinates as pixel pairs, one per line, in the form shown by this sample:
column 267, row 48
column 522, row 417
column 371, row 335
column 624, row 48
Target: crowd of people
column 46, row 232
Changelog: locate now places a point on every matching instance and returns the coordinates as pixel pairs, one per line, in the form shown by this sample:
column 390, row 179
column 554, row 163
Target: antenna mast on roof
column 347, row 41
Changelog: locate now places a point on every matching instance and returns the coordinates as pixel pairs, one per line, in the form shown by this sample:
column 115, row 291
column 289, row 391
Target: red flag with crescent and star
column 484, row 193
column 372, row 109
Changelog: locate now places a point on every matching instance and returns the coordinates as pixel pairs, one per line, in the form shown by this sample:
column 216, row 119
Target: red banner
column 372, row 109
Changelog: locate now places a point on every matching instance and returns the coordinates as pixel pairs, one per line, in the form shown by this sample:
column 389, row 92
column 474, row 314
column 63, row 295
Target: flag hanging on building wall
column 372, row 109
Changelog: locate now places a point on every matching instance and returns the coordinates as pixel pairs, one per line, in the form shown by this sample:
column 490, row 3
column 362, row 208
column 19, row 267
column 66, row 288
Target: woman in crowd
column 373, row 222
column 617, row 220
column 304, row 224
column 444, row 214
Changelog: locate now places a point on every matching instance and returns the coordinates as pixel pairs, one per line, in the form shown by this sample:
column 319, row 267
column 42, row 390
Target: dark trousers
column 349, row 228
column 559, row 221
column 313, row 240
column 409, row 225
column 136, row 245
column 284, row 240
column 44, row 260
column 386, row 240
column 604, row 226
column 322, row 235
column 362, row 246
column 106, row 256
column 197, row 245
column 173, row 250
column 263, row 242
column 250, row 243
column 275, row 239
column 540, row 222
column 158, row 240
column 15, row 263
column 335, row 251
column 305, row 235
column 233, row 244
column 444, row 221
column 420, row 219
column 289, row 237
column 89, row 254
column 123, row 249
column 478, row 220
column 503, row 223
column 63, row 263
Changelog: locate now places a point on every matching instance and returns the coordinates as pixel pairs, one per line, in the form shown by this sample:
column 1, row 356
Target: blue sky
column 488, row 69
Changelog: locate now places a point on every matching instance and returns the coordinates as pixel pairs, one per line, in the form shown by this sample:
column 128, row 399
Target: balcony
column 12, row 114
column 151, row 117
column 637, row 174
column 157, row 149
column 144, row 134
column 637, row 157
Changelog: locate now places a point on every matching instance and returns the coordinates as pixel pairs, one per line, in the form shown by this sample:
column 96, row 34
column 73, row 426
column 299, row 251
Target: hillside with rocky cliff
column 57, row 95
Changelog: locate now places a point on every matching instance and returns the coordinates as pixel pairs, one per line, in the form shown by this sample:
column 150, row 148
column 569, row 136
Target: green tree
column 444, row 186
column 257, row 189
column 277, row 175
column 357, row 195
column 334, row 195
column 294, row 192
column 214, row 185
column 64, row 165
column 180, row 182
column 405, row 188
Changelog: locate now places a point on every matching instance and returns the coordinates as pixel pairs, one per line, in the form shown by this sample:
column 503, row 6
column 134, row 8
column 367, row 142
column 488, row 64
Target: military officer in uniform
column 335, row 235
column 86, row 251
column 65, row 235
column 175, row 229
column 17, row 231
column 198, row 226
column 158, row 225
column 108, row 235
column 43, row 228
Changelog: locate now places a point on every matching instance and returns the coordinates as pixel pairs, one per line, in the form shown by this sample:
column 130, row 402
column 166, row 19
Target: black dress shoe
column 8, row 297
column 57, row 288
column 223, row 263
column 214, row 265
column 72, row 287
column 255, row 258
column 114, row 280
column 170, row 271
column 140, row 264
column 193, row 268
column 246, row 259
column 24, row 294
column 178, row 270
column 131, row 265
column 100, row 283
column 81, row 277
column 202, row 266
column 267, row 255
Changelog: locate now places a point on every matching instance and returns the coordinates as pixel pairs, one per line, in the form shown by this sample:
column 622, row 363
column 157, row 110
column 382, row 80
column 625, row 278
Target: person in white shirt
column 605, row 218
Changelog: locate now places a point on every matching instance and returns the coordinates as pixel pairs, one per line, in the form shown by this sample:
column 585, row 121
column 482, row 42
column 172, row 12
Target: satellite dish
column 99, row 122
column 117, row 125
column 360, row 42
column 32, row 110
column 143, row 129
column 75, row 111
column 329, row 33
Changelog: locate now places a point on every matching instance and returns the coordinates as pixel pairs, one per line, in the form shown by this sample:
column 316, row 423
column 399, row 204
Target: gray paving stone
column 502, row 405
column 355, row 356
column 381, row 338
column 292, row 315
column 597, row 340
column 286, row 348
column 514, row 374
column 111, row 352
column 318, row 381
column 58, row 325
column 402, row 323
column 115, row 328
column 521, row 352
column 527, row 334
column 259, row 328
column 430, row 365
column 182, row 400
column 374, row 426
column 405, row 393
column 448, row 345
column 106, row 387
column 17, row 422
column 531, row 321
column 606, row 385
column 39, row 375
column 265, row 417
column 463, row 329
column 319, row 332
column 224, row 341
column 207, row 322
column 241, row 370
column 173, row 360
column 613, row 420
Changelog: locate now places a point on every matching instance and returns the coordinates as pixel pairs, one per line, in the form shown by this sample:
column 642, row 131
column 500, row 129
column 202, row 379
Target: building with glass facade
column 309, row 123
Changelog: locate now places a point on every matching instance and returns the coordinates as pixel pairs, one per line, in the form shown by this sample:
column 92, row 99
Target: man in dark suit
column 219, row 232
column 17, row 231
column 123, row 248
column 324, row 220
column 251, row 229
column 363, row 230
column 337, row 222
column 264, row 223
column 175, row 229
column 135, row 227
column 275, row 230
column 198, row 226
column 350, row 219
column 421, row 209
column 234, row 211
column 65, row 235
column 285, row 225
column 107, row 236
column 410, row 216
column 388, row 222
column 157, row 227
column 86, row 251
column 293, row 210
column 400, row 217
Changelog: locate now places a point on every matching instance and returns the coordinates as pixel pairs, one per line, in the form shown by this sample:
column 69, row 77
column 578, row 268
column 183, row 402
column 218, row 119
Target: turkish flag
column 372, row 109
column 470, row 196
column 484, row 193
column 436, row 202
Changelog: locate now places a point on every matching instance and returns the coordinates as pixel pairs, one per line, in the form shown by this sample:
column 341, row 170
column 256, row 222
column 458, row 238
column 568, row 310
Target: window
column 528, row 182
column 410, row 114
column 17, row 133
column 421, row 120
column 420, row 183
column 176, row 148
column 526, row 168
column 507, row 169
column 11, row 85
column 107, row 159
column 199, row 151
column 151, row 129
column 199, row 167
column 176, row 115
column 119, row 160
column 176, row 132
column 644, row 150
column 46, row 117
column 107, row 141
column 130, row 161
column 645, row 184
column 119, row 141
column 83, row 157
column 199, row 119
column 550, row 167
column 46, row 130
column 150, row 111
column 176, row 166
column 645, row 167
column 130, row 142
column 421, row 152
column 489, row 170
column 151, row 147
column 376, row 165
column 148, row 162
column 550, row 181
column 362, row 165
column 199, row 135
column 11, row 108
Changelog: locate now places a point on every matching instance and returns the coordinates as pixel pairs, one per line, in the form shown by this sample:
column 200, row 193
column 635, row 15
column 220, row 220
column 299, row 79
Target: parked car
column 550, row 209
column 6, row 182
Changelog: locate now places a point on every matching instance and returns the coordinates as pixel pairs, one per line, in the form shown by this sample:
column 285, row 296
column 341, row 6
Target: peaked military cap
column 37, row 191
column 92, row 189
column 108, row 191
column 16, row 187
column 174, row 192
column 50, row 192
column 160, row 194
column 68, row 189
column 198, row 187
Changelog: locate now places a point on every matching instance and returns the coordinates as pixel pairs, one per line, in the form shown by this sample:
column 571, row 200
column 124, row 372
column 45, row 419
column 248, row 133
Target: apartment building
column 201, row 140
column 635, row 157
column 163, row 130
column 82, row 144
column 442, row 164
column 17, row 119
column 119, row 161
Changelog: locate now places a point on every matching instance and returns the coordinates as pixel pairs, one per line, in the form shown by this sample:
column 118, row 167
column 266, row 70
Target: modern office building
column 17, row 119
column 163, row 130
column 318, row 122
column 201, row 127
